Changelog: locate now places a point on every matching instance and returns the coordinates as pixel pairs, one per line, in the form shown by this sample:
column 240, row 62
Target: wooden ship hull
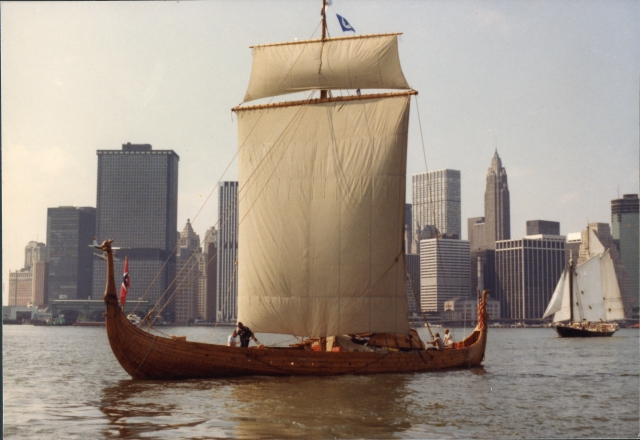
column 569, row 331
column 147, row 356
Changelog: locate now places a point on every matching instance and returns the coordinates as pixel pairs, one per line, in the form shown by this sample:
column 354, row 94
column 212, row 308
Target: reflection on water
column 329, row 407
column 136, row 407
column 264, row 407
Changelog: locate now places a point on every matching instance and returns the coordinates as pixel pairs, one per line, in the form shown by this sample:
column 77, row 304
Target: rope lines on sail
column 229, row 205
column 177, row 244
column 194, row 218
column 297, row 119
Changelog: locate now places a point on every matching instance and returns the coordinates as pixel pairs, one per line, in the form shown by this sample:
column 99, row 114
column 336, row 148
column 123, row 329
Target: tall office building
column 33, row 252
column 70, row 231
column 475, row 232
column 412, row 262
column 227, row 244
column 483, row 271
column 408, row 232
column 496, row 204
column 137, row 205
column 527, row 271
column 624, row 228
column 545, row 227
column 209, row 267
column 444, row 272
column 572, row 247
column 436, row 202
column 28, row 286
column 20, row 287
column 188, row 276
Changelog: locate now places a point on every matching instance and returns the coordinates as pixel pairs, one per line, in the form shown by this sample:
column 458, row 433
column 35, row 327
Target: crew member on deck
column 437, row 343
column 245, row 335
column 448, row 338
column 232, row 341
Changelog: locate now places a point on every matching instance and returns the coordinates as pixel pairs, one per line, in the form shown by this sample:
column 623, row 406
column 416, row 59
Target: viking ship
column 587, row 298
column 321, row 226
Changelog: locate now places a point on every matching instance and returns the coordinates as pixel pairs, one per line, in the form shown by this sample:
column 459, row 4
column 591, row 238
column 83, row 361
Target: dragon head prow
column 106, row 245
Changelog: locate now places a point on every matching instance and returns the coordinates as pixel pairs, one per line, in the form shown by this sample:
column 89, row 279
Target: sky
column 552, row 85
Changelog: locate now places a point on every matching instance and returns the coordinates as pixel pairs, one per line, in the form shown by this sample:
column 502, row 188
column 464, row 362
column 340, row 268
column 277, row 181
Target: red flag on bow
column 125, row 282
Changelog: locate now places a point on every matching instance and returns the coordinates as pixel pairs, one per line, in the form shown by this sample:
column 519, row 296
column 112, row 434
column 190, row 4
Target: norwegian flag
column 125, row 282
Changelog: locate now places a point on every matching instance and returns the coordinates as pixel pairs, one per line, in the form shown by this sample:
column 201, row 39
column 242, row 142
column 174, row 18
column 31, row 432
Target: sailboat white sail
column 588, row 295
column 559, row 304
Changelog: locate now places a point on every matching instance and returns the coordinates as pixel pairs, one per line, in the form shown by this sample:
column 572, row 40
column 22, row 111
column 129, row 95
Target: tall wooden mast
column 323, row 93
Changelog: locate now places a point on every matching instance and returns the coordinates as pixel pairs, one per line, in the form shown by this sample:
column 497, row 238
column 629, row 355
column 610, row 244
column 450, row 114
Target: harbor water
column 64, row 382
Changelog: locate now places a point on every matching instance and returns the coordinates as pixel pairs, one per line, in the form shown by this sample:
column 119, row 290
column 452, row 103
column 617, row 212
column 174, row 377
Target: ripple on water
column 67, row 384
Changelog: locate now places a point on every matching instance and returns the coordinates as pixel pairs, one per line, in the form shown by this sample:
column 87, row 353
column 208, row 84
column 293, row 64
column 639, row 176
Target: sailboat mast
column 571, row 287
column 323, row 93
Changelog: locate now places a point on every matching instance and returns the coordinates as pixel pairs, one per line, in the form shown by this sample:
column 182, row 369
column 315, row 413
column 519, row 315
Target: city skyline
column 544, row 84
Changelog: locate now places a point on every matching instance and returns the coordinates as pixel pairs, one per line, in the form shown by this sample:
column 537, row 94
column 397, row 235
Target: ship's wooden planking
column 147, row 356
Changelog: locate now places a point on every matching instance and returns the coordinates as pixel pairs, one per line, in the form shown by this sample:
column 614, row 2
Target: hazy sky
column 554, row 85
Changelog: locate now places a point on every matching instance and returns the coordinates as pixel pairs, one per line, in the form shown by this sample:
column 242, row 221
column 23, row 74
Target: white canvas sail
column 613, row 306
column 556, row 299
column 360, row 62
column 587, row 292
column 564, row 313
column 321, row 209
column 595, row 246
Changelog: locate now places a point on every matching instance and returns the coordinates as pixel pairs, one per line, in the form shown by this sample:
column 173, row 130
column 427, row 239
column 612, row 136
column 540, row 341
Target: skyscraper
column 33, row 252
column 70, row 231
column 436, row 202
column 227, row 269
column 546, row 227
column 209, row 267
column 39, row 283
column 483, row 261
column 188, row 276
column 412, row 262
column 624, row 228
column 496, row 204
column 475, row 232
column 444, row 272
column 137, row 204
column 527, row 271
column 28, row 286
column 408, row 232
column 20, row 287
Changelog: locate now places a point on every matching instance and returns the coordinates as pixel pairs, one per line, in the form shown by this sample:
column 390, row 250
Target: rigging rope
column 204, row 203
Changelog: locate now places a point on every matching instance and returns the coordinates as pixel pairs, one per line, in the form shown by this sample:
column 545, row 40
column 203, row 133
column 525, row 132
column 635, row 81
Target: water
column 64, row 382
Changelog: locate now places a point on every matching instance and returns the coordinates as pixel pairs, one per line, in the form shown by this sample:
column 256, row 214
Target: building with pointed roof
column 496, row 204
column 188, row 276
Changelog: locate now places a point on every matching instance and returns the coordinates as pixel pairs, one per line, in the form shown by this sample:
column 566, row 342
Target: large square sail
column 360, row 62
column 321, row 212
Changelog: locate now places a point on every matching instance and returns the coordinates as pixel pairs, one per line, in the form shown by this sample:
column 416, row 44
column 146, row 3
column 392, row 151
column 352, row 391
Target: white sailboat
column 587, row 300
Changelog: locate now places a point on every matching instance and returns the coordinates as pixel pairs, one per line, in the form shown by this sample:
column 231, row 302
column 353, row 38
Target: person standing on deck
column 245, row 334
column 448, row 338
column 232, row 341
